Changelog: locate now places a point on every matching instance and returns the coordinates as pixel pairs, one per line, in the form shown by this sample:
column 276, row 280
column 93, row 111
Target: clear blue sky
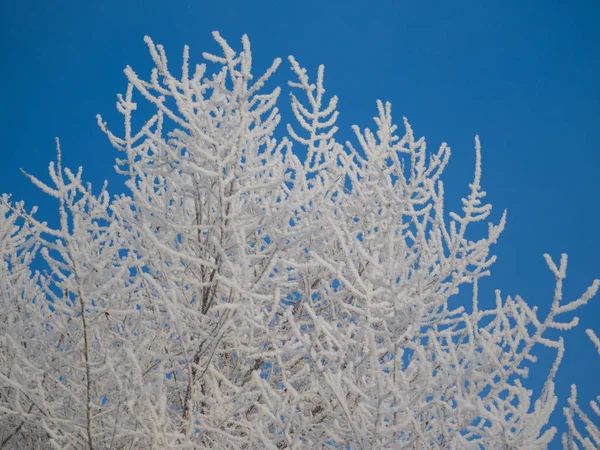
column 525, row 76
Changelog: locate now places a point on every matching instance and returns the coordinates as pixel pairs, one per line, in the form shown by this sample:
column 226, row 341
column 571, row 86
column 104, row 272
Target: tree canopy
column 240, row 296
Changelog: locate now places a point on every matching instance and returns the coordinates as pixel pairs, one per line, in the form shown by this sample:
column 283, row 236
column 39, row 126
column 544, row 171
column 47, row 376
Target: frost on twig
column 583, row 430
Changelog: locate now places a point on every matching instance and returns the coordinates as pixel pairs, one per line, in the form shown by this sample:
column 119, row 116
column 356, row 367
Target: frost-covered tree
column 242, row 297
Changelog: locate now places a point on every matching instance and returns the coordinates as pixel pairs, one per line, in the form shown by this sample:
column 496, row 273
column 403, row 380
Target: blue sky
column 522, row 75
